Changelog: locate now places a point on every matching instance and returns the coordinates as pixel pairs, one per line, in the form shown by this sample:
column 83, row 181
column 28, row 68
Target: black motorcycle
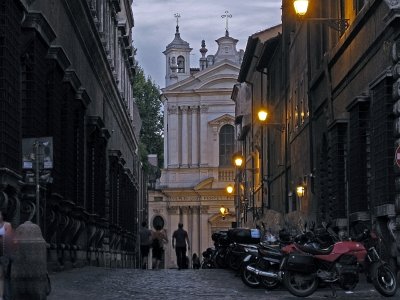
column 263, row 268
column 208, row 259
column 236, row 253
column 266, row 259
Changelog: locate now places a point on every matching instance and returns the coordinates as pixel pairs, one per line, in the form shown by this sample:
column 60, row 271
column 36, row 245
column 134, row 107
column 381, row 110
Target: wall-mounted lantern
column 301, row 7
column 300, row 191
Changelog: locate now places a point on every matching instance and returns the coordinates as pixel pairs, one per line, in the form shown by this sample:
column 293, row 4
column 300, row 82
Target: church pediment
column 220, row 76
column 222, row 120
column 205, row 184
column 217, row 220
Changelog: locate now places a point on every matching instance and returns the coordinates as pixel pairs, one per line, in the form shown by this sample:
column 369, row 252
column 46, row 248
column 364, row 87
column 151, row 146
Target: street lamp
column 237, row 159
column 301, row 7
column 224, row 211
column 262, row 114
column 229, row 189
column 300, row 191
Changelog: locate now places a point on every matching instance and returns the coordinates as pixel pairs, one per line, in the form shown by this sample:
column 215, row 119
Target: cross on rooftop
column 177, row 16
column 227, row 16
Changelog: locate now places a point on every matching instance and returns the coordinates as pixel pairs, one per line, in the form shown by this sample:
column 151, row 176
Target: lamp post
column 301, row 7
column 224, row 211
column 262, row 115
column 238, row 162
column 37, row 179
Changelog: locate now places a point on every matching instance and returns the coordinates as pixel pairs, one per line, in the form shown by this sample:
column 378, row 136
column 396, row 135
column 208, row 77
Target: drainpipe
column 310, row 109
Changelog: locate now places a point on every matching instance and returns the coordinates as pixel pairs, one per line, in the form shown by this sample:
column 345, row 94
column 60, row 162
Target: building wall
column 338, row 101
column 342, row 147
column 76, row 66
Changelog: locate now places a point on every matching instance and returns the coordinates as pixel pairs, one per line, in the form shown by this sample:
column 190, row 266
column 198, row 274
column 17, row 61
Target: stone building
column 198, row 143
column 333, row 84
column 66, row 106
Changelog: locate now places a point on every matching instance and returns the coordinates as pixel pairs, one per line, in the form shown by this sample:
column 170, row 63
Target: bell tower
column 177, row 58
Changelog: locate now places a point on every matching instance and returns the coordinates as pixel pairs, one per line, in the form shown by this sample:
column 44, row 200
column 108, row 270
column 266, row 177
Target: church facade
column 198, row 144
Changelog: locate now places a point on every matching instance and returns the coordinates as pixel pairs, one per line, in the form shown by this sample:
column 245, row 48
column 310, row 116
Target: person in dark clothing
column 145, row 243
column 195, row 261
column 179, row 240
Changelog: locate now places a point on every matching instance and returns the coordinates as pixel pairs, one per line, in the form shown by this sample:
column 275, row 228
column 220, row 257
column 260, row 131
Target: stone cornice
column 71, row 77
column 57, row 53
column 105, row 134
column 114, row 153
column 95, row 121
column 38, row 22
column 83, row 96
column 117, row 5
column 122, row 27
column 129, row 14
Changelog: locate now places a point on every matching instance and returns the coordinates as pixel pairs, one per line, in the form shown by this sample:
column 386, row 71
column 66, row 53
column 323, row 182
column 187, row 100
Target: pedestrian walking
column 159, row 238
column 6, row 253
column 145, row 243
column 179, row 240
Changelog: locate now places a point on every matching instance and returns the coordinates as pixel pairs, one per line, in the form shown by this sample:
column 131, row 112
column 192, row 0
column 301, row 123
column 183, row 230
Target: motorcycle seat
column 265, row 251
column 314, row 251
column 270, row 246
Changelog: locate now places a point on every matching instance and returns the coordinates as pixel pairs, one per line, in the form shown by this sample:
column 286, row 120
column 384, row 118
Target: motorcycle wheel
column 269, row 283
column 250, row 279
column 384, row 279
column 220, row 261
column 234, row 262
column 300, row 284
column 207, row 264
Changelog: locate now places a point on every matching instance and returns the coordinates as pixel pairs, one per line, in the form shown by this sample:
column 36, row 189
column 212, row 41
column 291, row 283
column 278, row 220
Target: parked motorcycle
column 236, row 252
column 221, row 244
column 208, row 259
column 267, row 259
column 305, row 266
column 262, row 268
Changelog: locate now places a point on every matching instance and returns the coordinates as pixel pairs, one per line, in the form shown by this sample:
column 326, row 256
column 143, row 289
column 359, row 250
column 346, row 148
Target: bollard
column 29, row 268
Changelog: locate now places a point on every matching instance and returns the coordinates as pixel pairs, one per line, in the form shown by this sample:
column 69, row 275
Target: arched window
column 226, row 145
column 181, row 64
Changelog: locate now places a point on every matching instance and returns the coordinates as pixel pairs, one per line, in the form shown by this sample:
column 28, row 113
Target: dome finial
column 177, row 16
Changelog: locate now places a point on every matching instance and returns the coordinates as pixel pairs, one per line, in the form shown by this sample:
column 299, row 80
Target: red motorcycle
column 305, row 267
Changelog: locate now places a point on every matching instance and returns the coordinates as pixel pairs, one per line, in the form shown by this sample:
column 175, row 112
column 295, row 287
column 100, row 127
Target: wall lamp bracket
column 337, row 24
column 277, row 126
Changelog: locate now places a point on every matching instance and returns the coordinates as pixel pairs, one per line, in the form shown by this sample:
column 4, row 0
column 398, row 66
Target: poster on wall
column 41, row 147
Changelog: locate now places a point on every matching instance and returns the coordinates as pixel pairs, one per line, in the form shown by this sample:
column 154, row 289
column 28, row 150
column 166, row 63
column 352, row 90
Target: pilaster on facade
column 184, row 137
column 173, row 137
column 195, row 136
column 203, row 135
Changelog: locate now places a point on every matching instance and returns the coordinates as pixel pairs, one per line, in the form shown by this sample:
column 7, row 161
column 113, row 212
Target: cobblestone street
column 92, row 283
